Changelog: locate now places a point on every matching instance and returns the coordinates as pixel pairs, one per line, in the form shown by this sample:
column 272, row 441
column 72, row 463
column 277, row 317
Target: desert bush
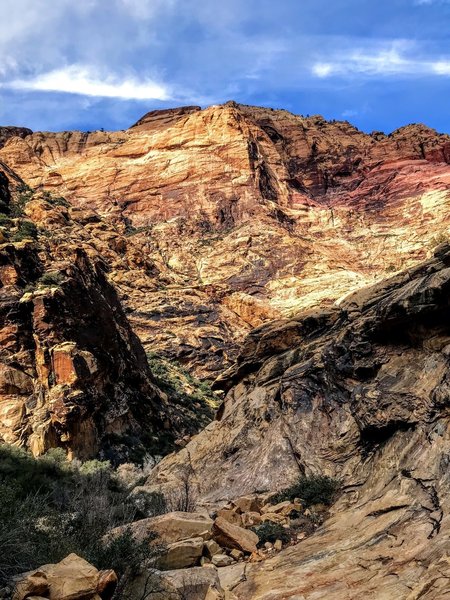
column 183, row 389
column 317, row 489
column 26, row 230
column 271, row 532
column 55, row 200
column 50, row 278
column 50, row 508
column 5, row 220
column 23, row 194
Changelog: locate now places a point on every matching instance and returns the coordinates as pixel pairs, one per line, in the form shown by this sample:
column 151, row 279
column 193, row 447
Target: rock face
column 237, row 215
column 72, row 372
column 170, row 527
column 360, row 393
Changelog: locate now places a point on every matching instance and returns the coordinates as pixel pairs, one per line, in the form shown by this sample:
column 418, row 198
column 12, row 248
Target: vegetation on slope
column 50, row 508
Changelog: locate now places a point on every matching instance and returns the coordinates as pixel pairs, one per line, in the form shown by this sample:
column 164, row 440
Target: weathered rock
column 107, row 582
column 248, row 504
column 278, row 545
column 273, row 518
column 362, row 397
column 71, row 579
column 222, row 560
column 254, row 214
column 194, row 584
column 33, row 583
column 251, row 518
column 231, row 536
column 71, row 369
column 231, row 576
column 211, row 547
column 170, row 528
column 231, row 515
column 236, row 554
column 182, row 554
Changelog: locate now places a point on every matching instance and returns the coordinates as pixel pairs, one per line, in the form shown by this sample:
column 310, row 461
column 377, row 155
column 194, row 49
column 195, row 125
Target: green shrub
column 55, row 200
column 271, row 532
column 50, row 508
column 192, row 401
column 26, row 230
column 22, row 196
column 317, row 489
column 91, row 467
column 50, row 278
column 5, row 221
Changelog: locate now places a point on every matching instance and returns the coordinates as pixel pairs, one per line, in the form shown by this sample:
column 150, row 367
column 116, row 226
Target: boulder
column 248, row 504
column 231, row 515
column 236, row 554
column 222, row 560
column 232, row 536
column 274, row 518
column 170, row 528
column 33, row 583
column 250, row 519
column 194, row 584
column 180, row 555
column 283, row 508
column 278, row 545
column 107, row 582
column 71, row 579
column 210, row 548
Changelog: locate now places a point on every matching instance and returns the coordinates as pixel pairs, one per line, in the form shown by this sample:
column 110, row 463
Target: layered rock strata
column 360, row 393
column 72, row 372
column 237, row 215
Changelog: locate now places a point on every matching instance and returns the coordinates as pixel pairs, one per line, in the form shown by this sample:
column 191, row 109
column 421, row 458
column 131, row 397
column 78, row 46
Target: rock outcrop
column 360, row 392
column 236, row 215
column 73, row 374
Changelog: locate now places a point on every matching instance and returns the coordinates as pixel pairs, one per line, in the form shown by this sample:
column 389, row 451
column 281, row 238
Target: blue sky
column 86, row 64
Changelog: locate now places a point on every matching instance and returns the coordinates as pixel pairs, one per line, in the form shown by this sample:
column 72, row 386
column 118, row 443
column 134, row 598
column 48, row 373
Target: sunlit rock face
column 360, row 393
column 235, row 215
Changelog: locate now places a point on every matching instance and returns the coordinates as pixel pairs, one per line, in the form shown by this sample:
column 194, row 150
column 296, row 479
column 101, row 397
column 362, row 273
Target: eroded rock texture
column 236, row 215
column 72, row 372
column 361, row 393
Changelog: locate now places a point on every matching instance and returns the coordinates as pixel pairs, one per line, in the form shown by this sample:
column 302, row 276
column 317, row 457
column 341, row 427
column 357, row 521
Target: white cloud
column 385, row 62
column 430, row 2
column 322, row 69
column 79, row 79
column 441, row 67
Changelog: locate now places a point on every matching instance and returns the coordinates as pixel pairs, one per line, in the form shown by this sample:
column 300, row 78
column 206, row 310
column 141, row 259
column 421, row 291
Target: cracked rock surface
column 361, row 393
column 236, row 215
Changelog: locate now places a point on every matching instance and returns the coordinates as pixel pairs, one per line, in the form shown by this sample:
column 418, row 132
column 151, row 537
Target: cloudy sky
column 88, row 64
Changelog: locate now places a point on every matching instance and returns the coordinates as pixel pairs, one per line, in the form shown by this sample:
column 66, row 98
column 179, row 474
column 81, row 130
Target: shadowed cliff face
column 360, row 393
column 237, row 215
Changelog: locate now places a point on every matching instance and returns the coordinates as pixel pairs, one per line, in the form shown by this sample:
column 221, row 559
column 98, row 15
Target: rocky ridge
column 360, row 393
column 72, row 372
column 236, row 215
column 204, row 224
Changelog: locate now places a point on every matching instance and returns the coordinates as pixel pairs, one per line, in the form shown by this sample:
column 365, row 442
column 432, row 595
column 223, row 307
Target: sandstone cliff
column 237, row 215
column 361, row 393
column 72, row 372
column 204, row 224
